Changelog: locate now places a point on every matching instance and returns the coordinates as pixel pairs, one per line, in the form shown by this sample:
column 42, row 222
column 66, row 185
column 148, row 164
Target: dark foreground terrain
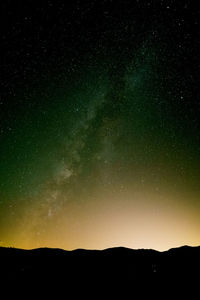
column 115, row 268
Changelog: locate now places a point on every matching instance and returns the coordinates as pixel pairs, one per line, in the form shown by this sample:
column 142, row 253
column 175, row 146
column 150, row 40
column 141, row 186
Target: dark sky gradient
column 99, row 112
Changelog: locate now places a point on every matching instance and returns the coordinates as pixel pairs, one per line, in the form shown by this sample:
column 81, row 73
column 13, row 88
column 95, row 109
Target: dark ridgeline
column 114, row 269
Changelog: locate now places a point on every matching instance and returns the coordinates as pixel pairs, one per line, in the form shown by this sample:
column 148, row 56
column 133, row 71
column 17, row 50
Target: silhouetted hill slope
column 113, row 268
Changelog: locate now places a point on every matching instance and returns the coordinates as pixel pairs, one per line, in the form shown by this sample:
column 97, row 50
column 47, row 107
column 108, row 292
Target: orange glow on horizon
column 155, row 224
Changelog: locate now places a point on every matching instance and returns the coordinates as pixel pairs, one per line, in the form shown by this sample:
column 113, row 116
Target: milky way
column 100, row 126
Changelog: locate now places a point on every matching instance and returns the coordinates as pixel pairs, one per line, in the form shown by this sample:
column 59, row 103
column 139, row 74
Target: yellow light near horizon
column 128, row 222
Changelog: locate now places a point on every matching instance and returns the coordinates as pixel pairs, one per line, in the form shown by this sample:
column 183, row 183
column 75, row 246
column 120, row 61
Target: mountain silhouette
column 113, row 269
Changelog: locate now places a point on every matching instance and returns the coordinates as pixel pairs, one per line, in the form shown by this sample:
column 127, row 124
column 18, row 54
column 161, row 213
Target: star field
column 99, row 134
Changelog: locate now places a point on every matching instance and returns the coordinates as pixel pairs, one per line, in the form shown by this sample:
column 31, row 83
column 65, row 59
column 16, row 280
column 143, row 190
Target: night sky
column 99, row 124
